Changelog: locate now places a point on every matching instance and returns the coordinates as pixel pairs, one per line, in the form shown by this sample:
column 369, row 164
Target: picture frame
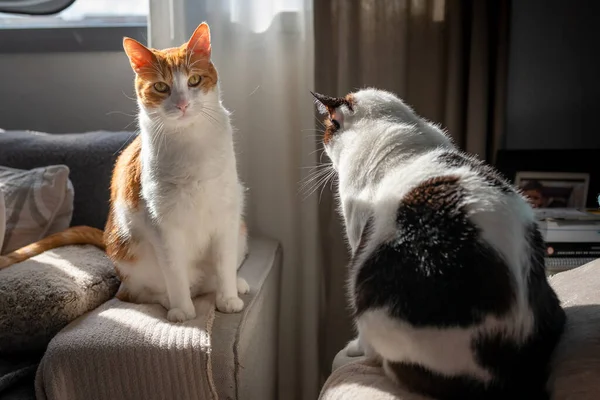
column 554, row 189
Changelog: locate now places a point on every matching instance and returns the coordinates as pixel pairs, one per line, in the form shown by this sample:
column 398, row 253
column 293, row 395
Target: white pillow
column 37, row 203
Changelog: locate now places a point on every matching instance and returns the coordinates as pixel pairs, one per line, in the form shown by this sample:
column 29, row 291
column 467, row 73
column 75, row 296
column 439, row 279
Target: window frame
column 44, row 7
column 69, row 39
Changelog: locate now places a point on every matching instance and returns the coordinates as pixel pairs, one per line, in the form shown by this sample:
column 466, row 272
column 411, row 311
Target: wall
column 66, row 92
column 554, row 83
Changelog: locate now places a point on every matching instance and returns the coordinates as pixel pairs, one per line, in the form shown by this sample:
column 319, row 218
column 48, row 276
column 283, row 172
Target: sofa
column 575, row 371
column 63, row 335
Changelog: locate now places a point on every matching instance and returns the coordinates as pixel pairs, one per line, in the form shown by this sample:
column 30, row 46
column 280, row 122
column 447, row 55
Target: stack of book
column 572, row 237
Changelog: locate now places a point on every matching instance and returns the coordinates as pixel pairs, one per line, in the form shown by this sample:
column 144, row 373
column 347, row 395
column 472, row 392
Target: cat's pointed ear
column 139, row 55
column 331, row 103
column 320, row 105
column 199, row 43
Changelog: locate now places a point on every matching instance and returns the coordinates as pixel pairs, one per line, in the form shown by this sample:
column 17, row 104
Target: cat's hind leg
column 225, row 250
column 141, row 279
column 141, row 295
column 354, row 349
column 242, row 243
column 242, row 285
column 360, row 348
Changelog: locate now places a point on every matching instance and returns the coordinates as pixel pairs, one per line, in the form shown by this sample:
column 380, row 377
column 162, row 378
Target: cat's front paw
column 181, row 314
column 242, row 286
column 229, row 304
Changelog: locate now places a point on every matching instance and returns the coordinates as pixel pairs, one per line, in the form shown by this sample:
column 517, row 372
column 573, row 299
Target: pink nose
column 183, row 105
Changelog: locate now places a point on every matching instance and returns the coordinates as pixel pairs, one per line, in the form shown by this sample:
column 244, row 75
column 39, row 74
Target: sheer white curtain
column 263, row 51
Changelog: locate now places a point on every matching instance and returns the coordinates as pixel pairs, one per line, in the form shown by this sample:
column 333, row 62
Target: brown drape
column 446, row 58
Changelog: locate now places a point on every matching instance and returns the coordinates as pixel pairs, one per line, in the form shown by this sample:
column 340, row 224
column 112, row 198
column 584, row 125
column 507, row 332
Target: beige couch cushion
column 128, row 351
column 576, row 371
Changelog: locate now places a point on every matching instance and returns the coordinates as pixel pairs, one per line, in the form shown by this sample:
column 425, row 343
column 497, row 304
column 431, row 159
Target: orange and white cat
column 175, row 227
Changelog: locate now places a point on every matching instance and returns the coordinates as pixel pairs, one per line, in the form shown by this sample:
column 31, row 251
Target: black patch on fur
column 520, row 371
column 462, row 387
column 422, row 380
column 436, row 271
column 487, row 172
column 527, row 366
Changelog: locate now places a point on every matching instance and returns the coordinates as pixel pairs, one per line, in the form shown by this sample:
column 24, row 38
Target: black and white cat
column 447, row 278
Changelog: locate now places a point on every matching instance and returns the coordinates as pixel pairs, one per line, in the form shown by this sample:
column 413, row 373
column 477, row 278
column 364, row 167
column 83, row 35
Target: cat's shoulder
column 431, row 179
column 459, row 163
column 457, row 187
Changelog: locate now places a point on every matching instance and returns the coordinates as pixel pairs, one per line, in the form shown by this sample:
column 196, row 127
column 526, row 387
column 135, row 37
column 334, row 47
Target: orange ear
column 199, row 43
column 139, row 55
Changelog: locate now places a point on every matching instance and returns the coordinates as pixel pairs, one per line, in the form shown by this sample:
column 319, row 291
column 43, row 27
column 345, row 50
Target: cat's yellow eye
column 161, row 87
column 194, row 80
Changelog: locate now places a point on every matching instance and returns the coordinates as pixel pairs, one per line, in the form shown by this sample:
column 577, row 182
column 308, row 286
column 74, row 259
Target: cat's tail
column 73, row 235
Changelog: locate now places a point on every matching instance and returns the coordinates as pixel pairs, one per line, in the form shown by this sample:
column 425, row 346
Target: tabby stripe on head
column 437, row 270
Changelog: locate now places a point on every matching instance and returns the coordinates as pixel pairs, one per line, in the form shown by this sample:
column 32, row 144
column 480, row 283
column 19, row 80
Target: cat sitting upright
column 175, row 226
column 447, row 278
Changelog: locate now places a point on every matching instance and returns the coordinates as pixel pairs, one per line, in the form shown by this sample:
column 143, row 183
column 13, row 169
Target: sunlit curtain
column 446, row 58
column 263, row 50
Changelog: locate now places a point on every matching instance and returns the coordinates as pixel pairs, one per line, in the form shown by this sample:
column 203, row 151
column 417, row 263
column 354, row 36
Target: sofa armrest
column 122, row 350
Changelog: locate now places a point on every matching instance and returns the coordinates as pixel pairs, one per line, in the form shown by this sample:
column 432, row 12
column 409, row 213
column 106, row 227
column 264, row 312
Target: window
column 83, row 26
column 34, row 7
column 81, row 13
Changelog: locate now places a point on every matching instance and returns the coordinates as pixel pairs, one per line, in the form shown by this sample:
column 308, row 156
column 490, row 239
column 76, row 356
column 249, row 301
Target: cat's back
column 473, row 176
column 446, row 185
column 441, row 280
column 446, row 230
column 459, row 229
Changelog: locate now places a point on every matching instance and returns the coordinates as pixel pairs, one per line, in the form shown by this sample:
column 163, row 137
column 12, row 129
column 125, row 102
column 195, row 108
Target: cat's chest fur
column 189, row 180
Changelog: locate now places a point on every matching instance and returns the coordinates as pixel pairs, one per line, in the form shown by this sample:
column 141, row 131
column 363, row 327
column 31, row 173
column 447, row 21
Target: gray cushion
column 89, row 156
column 38, row 297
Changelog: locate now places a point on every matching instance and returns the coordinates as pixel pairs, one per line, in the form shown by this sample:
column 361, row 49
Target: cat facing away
column 175, row 227
column 446, row 279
